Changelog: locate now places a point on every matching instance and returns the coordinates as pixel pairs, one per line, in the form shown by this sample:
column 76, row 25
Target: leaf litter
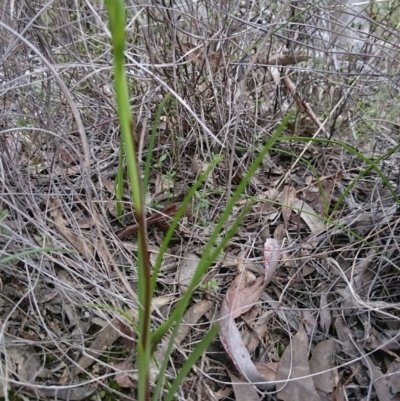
column 318, row 200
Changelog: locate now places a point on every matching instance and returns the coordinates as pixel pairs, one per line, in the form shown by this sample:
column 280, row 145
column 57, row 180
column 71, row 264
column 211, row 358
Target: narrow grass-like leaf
column 177, row 314
column 372, row 165
column 208, row 255
column 27, row 252
column 119, row 189
column 192, row 359
column 179, row 214
column 152, row 141
column 313, row 171
column 119, row 312
column 279, row 27
column 117, row 21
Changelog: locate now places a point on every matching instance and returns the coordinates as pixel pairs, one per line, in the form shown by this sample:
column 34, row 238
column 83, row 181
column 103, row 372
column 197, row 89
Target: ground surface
column 67, row 265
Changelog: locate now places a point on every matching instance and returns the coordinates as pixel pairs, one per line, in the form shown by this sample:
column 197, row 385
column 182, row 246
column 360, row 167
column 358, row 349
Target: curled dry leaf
column 243, row 293
column 222, row 393
column 268, row 370
column 109, row 185
column 241, row 296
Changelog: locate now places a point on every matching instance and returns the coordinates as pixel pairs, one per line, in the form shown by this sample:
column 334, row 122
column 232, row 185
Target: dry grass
column 59, row 157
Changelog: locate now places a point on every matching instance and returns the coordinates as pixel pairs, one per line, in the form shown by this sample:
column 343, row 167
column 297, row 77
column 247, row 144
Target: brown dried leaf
column 222, row 393
column 279, row 233
column 310, row 217
column 162, row 300
column 197, row 54
column 62, row 171
column 294, row 363
column 288, row 199
column 108, row 184
column 250, row 340
column 187, row 268
column 349, row 349
column 307, row 270
column 312, row 193
column 322, row 360
column 103, row 340
column 236, row 302
column 325, row 318
column 194, row 53
column 24, row 362
column 305, row 211
column 67, row 157
column 282, row 59
column 129, row 335
column 192, row 316
column 268, row 370
column 243, row 391
column 81, row 244
column 394, row 373
column 339, row 393
column 243, row 293
column 382, row 383
column 122, row 377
